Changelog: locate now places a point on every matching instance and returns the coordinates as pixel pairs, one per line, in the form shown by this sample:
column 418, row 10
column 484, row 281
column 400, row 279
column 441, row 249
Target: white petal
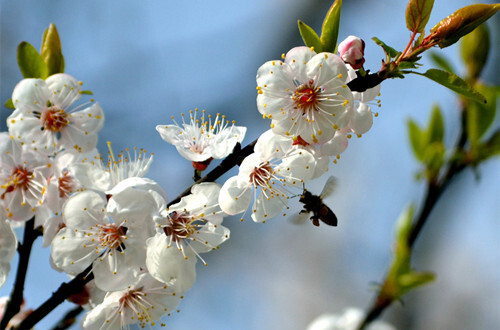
column 88, row 120
column 166, row 264
column 362, row 119
column 30, row 95
column 64, row 89
column 235, row 196
column 265, row 208
column 296, row 59
column 72, row 251
column 115, row 271
column 84, row 209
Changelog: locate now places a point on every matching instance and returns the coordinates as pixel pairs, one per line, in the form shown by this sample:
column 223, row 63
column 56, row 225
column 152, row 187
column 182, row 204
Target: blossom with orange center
column 305, row 95
column 44, row 119
column 23, row 178
column 142, row 303
column 183, row 232
column 110, row 235
column 266, row 177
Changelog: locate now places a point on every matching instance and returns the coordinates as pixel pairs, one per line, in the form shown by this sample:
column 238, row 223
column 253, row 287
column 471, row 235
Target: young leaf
column 417, row 139
column 30, row 62
column 474, row 49
column 480, row 116
column 330, row 29
column 441, row 61
column 9, row 104
column 435, row 131
column 310, row 37
column 51, row 50
column 387, row 49
column 417, row 14
column 461, row 22
column 453, row 82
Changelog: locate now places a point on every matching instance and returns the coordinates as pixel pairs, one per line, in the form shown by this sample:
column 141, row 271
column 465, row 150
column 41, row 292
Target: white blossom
column 266, row 176
column 306, row 95
column 93, row 173
column 23, row 177
column 43, row 119
column 183, row 231
column 142, row 303
column 201, row 140
column 350, row 320
column 110, row 235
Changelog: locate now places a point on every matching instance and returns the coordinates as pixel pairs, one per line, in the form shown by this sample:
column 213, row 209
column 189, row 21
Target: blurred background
column 148, row 60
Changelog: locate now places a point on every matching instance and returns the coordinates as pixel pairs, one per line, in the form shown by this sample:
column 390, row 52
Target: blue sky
column 148, row 60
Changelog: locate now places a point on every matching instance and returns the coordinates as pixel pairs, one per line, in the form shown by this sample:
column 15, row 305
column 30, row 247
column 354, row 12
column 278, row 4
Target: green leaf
column 417, row 14
column 417, row 139
column 9, row 104
column 30, row 62
column 51, row 50
column 441, row 61
column 474, row 49
column 480, row 116
column 407, row 65
column 413, row 279
column 461, row 22
column 391, row 52
column 435, row 131
column 330, row 29
column 453, row 82
column 310, row 37
column 491, row 147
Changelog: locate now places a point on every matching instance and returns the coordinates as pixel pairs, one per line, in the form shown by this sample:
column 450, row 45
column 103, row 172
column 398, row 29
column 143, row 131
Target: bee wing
column 299, row 218
column 330, row 185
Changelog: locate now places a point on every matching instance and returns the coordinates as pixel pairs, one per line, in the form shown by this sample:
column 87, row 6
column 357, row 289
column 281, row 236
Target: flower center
column 261, row 175
column 306, row 96
column 65, row 185
column 54, row 119
column 112, row 236
column 20, row 178
column 299, row 141
column 180, row 226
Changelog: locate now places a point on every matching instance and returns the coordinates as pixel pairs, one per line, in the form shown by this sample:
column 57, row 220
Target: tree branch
column 17, row 295
column 65, row 290
column 235, row 158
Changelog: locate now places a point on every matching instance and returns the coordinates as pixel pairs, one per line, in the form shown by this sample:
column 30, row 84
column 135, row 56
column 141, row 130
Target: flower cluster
column 313, row 114
column 105, row 214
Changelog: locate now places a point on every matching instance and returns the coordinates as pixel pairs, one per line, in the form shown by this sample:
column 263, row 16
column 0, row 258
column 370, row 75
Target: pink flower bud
column 352, row 50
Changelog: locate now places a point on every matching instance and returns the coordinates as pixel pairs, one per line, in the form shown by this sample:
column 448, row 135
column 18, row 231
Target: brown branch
column 17, row 295
column 65, row 290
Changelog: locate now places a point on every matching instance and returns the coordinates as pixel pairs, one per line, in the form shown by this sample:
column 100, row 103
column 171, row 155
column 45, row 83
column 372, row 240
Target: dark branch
column 362, row 83
column 17, row 295
column 235, row 158
column 65, row 290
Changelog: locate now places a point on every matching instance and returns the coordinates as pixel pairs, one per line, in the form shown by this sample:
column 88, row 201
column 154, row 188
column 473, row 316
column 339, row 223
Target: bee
column 314, row 203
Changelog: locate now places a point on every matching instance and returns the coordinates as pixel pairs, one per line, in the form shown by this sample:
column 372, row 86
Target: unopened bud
column 461, row 22
column 352, row 51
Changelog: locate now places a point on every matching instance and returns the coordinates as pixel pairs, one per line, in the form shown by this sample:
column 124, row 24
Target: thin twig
column 68, row 319
column 17, row 295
